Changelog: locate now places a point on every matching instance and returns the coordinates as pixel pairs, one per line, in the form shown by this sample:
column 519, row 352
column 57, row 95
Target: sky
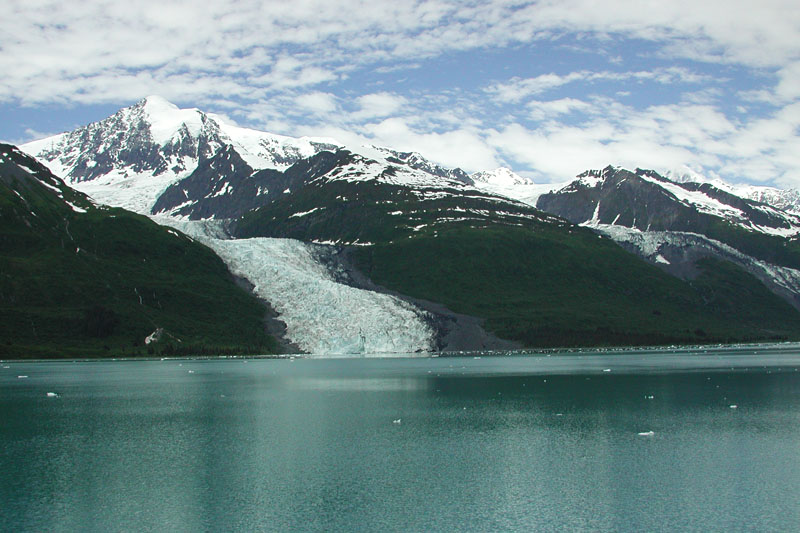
column 547, row 88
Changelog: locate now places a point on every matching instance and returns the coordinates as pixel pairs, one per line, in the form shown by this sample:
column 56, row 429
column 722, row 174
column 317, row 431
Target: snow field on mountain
column 322, row 316
column 650, row 244
column 135, row 192
column 704, row 203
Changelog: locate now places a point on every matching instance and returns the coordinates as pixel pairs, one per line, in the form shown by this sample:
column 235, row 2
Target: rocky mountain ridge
column 494, row 246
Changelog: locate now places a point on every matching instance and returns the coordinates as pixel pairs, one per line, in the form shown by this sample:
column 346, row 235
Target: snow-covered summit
column 505, row 182
column 503, row 177
column 129, row 158
column 167, row 122
column 133, row 157
column 784, row 199
column 646, row 200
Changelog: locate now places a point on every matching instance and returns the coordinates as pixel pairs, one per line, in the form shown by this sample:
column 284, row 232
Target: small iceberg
column 734, row 406
column 52, row 395
column 606, row 370
column 646, row 434
column 398, row 421
column 22, row 377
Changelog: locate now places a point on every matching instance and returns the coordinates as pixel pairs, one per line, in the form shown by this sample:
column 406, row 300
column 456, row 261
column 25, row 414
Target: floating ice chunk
column 606, row 370
column 734, row 406
column 22, row 377
column 649, row 397
column 646, row 434
column 398, row 421
column 52, row 395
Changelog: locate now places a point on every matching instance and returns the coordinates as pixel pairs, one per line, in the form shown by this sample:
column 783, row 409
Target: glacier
column 323, row 316
column 652, row 244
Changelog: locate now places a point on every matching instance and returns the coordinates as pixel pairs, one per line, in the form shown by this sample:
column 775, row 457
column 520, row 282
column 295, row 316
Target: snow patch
column 304, row 213
column 155, row 336
column 75, row 207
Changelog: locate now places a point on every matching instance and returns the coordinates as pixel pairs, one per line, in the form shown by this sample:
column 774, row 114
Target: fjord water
column 416, row 444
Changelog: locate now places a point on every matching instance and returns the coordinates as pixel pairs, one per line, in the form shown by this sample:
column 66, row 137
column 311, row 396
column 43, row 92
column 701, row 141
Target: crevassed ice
column 322, row 316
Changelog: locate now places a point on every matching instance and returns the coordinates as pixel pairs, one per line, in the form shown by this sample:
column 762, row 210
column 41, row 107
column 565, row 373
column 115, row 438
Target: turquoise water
column 431, row 444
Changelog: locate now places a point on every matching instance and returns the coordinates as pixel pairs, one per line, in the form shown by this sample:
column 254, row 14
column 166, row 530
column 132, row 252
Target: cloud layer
column 549, row 87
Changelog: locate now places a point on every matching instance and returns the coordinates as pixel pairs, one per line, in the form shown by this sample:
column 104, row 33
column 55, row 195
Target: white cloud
column 376, row 105
column 318, row 103
column 280, row 45
column 542, row 110
column 518, row 89
column 284, row 67
column 463, row 148
column 661, row 137
column 788, row 87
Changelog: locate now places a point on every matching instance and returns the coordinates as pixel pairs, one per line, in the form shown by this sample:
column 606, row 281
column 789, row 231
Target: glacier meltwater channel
column 322, row 316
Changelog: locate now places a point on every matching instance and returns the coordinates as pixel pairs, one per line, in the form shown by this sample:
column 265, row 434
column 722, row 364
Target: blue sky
column 548, row 88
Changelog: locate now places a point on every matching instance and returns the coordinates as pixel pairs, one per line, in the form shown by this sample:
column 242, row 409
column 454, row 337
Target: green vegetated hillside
column 533, row 278
column 88, row 281
column 371, row 211
column 774, row 249
column 546, row 285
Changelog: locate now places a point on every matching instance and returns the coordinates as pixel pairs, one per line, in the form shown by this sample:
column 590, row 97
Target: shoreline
column 703, row 349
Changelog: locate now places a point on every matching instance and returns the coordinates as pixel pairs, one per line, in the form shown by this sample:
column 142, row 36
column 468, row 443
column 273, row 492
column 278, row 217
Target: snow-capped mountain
column 128, row 159
column 155, row 158
column 455, row 250
column 505, row 182
column 785, row 199
column 416, row 161
column 504, row 177
column 673, row 224
column 647, row 201
column 346, row 198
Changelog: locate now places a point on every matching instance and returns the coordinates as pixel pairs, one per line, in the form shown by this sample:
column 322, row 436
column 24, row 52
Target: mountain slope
column 647, row 201
column 474, row 243
column 80, row 280
column 549, row 286
column 675, row 224
column 784, row 199
column 353, row 199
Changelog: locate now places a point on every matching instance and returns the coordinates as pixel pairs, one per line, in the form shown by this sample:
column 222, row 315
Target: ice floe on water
column 322, row 316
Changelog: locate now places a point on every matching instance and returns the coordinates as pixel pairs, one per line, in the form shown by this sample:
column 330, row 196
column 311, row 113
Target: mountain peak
column 500, row 176
column 155, row 103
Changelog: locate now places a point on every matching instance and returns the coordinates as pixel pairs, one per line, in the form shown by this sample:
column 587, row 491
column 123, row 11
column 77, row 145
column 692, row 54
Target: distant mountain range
column 484, row 260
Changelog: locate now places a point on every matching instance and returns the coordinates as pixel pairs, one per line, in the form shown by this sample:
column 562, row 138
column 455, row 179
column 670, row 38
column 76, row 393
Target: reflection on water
column 415, row 444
